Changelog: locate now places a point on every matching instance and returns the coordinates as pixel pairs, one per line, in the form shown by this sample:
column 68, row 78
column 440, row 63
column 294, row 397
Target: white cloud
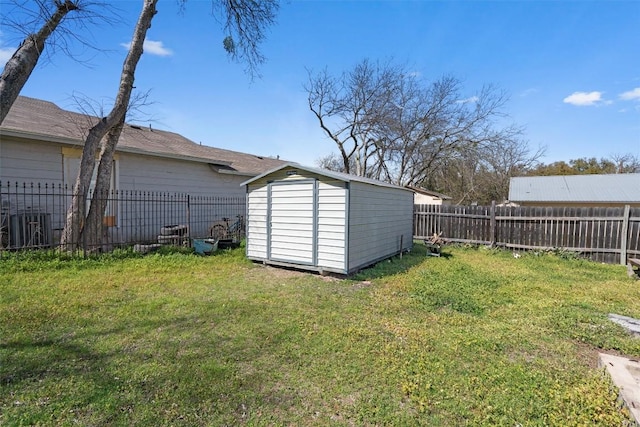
column 468, row 100
column 584, row 99
column 528, row 92
column 632, row 95
column 152, row 47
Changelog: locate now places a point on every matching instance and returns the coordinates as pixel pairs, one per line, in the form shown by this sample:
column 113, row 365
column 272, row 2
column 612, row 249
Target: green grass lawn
column 474, row 338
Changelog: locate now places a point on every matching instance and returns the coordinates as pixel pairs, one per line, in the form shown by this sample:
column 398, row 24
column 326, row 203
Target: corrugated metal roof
column 576, row 188
column 325, row 172
column 43, row 120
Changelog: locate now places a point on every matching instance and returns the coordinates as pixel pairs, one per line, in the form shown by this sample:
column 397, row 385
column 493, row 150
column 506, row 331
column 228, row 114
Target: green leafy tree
column 617, row 163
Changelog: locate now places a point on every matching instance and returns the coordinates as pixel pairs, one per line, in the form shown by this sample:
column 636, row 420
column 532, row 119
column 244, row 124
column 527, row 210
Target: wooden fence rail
column 609, row 235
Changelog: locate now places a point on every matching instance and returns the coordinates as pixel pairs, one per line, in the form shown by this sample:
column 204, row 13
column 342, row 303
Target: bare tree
column 626, row 163
column 392, row 125
column 482, row 174
column 18, row 69
column 246, row 21
column 110, row 124
column 351, row 107
column 48, row 17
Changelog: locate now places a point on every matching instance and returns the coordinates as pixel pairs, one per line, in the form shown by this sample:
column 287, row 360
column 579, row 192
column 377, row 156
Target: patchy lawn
column 474, row 338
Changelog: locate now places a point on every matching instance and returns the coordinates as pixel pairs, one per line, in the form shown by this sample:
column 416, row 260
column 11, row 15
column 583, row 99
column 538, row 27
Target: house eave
column 33, row 136
column 15, row 133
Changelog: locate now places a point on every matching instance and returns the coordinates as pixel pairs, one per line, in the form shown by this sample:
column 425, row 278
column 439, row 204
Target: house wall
column 140, row 172
column 31, row 161
column 424, row 199
column 378, row 217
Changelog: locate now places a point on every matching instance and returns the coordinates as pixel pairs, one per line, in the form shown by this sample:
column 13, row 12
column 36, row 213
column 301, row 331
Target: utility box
column 325, row 221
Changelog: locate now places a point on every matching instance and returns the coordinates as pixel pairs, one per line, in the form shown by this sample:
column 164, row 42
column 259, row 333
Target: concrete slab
column 625, row 374
column 629, row 323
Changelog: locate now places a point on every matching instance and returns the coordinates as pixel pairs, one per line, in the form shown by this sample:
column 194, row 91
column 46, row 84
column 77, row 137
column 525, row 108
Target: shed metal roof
column 331, row 174
column 576, row 188
column 45, row 121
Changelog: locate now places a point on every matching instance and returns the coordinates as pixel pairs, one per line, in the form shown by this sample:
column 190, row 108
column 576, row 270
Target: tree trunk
column 72, row 234
column 94, row 229
column 18, row 69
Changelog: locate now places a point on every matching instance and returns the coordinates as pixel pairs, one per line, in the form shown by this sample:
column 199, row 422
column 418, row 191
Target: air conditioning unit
column 30, row 229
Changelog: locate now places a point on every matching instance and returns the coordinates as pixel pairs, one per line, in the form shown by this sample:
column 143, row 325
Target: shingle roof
column 576, row 188
column 38, row 119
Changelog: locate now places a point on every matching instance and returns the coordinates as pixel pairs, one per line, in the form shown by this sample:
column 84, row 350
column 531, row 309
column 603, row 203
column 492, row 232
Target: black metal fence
column 33, row 216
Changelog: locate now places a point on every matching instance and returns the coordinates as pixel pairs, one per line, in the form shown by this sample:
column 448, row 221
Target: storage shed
column 321, row 220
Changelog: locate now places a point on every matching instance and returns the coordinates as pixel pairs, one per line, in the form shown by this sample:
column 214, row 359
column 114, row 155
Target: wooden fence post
column 624, row 232
column 492, row 224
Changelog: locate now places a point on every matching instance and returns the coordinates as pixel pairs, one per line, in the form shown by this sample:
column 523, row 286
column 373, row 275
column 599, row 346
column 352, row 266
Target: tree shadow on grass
column 108, row 376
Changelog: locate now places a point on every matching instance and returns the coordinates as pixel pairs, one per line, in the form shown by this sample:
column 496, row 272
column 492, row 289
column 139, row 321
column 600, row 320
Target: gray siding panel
column 332, row 196
column 292, row 218
column 379, row 216
column 30, row 162
column 157, row 174
column 257, row 197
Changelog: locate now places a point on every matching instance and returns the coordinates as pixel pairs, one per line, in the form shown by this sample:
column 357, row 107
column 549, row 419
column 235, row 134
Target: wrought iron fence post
column 189, row 218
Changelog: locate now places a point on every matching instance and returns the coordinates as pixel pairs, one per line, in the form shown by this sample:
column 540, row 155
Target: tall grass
column 473, row 338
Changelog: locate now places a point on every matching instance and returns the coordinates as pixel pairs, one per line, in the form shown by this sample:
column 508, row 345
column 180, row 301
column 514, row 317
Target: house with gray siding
column 321, row 220
column 41, row 144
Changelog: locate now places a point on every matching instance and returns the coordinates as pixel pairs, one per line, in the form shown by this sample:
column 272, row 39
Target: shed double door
column 292, row 221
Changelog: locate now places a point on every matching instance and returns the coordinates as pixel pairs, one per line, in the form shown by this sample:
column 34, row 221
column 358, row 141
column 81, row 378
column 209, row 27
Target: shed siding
column 292, row 221
column 356, row 223
column 332, row 198
column 257, row 211
column 378, row 217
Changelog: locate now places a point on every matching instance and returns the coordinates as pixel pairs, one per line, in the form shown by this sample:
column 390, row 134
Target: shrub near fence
column 608, row 235
column 33, row 215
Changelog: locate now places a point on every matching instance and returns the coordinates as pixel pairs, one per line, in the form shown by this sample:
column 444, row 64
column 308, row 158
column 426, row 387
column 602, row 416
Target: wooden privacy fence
column 610, row 234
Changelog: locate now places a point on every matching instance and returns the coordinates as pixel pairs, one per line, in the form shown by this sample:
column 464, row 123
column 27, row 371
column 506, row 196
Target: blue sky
column 572, row 69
